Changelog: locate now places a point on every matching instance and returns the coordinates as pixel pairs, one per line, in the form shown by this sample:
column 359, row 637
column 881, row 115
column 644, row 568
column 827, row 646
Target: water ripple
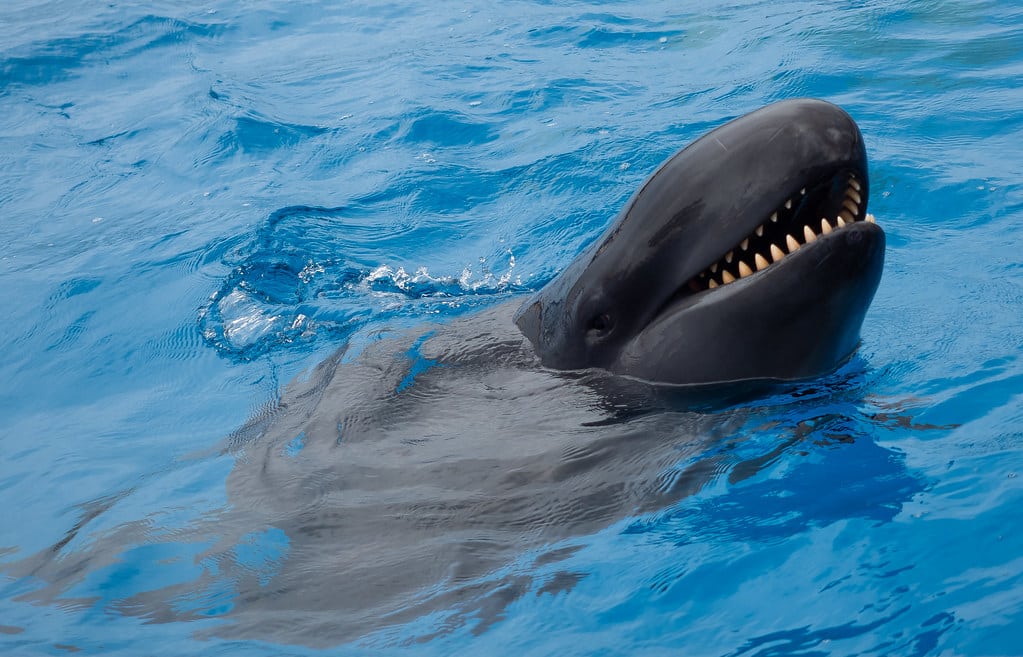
column 53, row 60
column 315, row 273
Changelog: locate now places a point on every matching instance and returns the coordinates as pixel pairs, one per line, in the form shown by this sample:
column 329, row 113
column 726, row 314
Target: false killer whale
column 436, row 476
column 408, row 476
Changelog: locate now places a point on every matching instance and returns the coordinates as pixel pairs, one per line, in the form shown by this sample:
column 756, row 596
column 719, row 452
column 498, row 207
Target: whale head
column 748, row 255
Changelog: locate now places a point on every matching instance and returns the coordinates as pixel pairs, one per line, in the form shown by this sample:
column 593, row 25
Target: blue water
column 201, row 204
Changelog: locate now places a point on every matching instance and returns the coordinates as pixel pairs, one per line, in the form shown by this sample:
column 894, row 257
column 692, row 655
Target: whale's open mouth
column 808, row 214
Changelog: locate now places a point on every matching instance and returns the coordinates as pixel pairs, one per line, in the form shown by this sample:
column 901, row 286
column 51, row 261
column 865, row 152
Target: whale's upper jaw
column 747, row 255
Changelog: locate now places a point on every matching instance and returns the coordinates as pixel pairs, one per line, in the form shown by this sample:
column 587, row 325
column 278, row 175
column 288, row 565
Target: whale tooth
column 802, row 192
column 713, row 284
column 714, row 268
column 851, row 207
column 744, row 270
column 851, row 193
column 760, row 231
column 841, row 222
column 726, row 277
column 844, row 214
column 809, row 235
column 855, row 184
column 788, row 204
column 774, row 217
column 744, row 244
column 760, row 261
column 825, row 227
column 791, row 243
column 871, row 219
column 728, row 257
column 776, row 253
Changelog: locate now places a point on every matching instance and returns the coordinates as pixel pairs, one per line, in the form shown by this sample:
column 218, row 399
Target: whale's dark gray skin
column 652, row 298
column 437, row 476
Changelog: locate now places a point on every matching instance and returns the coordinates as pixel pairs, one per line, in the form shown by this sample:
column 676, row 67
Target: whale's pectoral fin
column 528, row 319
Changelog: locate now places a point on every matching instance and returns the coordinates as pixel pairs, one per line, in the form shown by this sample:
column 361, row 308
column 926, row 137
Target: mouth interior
column 807, row 214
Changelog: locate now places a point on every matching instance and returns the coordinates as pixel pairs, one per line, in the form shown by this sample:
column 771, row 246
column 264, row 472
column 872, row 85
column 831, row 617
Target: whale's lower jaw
column 793, row 320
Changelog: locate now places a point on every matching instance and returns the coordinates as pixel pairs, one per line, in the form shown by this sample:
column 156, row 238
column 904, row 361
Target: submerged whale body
column 428, row 463
column 440, row 475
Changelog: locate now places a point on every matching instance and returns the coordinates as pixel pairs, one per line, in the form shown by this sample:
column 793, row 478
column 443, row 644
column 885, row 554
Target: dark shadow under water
column 409, row 481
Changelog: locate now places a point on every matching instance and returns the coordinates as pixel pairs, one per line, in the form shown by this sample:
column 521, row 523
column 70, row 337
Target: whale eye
column 601, row 323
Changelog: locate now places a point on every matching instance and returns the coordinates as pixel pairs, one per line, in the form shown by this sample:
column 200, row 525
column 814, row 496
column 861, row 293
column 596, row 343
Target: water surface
column 201, row 204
